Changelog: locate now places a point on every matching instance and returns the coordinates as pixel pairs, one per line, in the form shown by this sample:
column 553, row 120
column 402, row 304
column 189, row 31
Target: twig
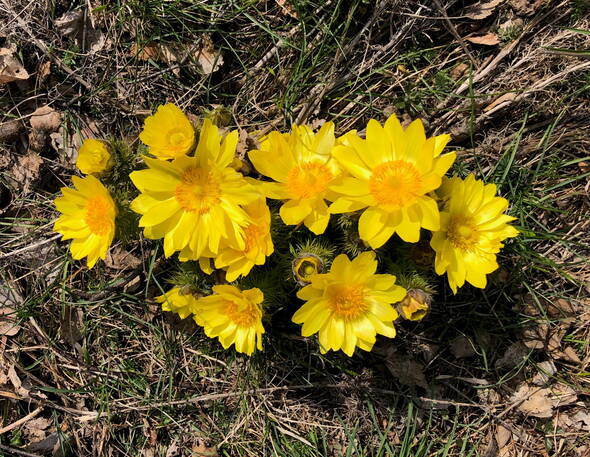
column 16, row 451
column 30, row 246
column 454, row 32
column 21, row 421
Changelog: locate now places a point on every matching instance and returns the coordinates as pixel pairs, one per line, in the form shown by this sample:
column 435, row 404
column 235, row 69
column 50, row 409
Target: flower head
column 305, row 266
column 177, row 302
column 93, row 157
column 471, row 231
column 258, row 243
column 300, row 163
column 168, row 133
column 88, row 218
column 349, row 305
column 392, row 171
column 233, row 316
column 195, row 203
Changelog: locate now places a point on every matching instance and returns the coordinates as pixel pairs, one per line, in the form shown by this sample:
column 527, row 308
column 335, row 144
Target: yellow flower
column 93, row 157
column 88, row 218
column 233, row 316
column 300, row 163
column 195, row 203
column 415, row 305
column 258, row 244
column 168, row 133
column 349, row 305
column 177, row 302
column 392, row 170
column 471, row 231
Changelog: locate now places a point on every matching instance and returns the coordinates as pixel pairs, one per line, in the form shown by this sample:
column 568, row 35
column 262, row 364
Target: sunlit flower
column 181, row 303
column 233, row 316
column 195, row 203
column 471, row 231
column 349, row 305
column 301, row 164
column 88, row 218
column 93, row 157
column 392, row 171
column 258, row 244
column 168, row 133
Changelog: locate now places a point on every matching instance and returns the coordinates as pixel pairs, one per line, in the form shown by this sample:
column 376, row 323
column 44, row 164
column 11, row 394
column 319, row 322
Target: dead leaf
column 43, row 71
column 70, row 325
column 78, row 25
column 482, row 9
column 503, row 436
column 200, row 449
column 209, row 59
column 506, row 98
column 561, row 308
column 26, row 170
column 16, row 383
column 546, row 370
column 10, row 130
column 119, row 259
column 10, row 68
column 459, row 70
column 35, row 429
column 45, row 118
column 540, row 402
column 462, row 347
column 10, row 300
column 173, row 450
column 568, row 354
column 287, row 9
column 489, row 39
column 406, row 370
column 526, row 7
column 514, row 356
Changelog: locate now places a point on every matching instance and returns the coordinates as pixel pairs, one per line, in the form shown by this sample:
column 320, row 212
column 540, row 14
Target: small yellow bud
column 415, row 305
column 306, row 265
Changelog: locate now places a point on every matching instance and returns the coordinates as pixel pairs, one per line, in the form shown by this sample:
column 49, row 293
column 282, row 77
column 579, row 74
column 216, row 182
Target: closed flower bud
column 93, row 157
column 305, row 265
column 415, row 305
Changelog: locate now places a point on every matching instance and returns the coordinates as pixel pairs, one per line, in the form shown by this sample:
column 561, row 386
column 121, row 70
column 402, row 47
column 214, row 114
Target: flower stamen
column 198, row 190
column 98, row 215
column 309, row 179
column 347, row 302
column 395, row 183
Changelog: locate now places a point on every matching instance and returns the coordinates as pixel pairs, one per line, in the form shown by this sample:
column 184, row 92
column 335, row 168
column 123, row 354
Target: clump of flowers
column 335, row 205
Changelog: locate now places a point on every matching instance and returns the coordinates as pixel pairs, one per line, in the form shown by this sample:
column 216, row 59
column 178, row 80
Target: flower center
column 176, row 137
column 99, row 215
column 243, row 315
column 309, row 179
column 395, row 183
column 462, row 232
column 347, row 302
column 198, row 190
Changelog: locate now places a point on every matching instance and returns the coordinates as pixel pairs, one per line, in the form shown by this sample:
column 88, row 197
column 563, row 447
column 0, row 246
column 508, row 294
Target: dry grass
column 105, row 372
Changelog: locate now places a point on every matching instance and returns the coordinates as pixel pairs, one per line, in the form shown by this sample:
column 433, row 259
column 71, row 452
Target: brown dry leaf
column 503, row 436
column 540, row 402
column 26, row 170
column 514, row 355
column 119, row 259
column 10, row 299
column 287, row 9
column 78, row 25
column 158, row 52
column 489, row 39
column 173, row 450
column 70, row 325
column 43, row 71
column 200, row 449
column 561, row 308
column 406, row 370
column 506, row 98
column 46, row 119
column 10, row 68
column 546, row 370
column 10, row 131
column 16, row 382
column 462, row 347
column 482, row 9
column 35, row 429
column 208, row 58
column 459, row 70
column 526, row 7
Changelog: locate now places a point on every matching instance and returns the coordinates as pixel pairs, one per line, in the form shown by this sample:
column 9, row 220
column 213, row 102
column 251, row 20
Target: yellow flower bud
column 415, row 305
column 93, row 157
column 305, row 266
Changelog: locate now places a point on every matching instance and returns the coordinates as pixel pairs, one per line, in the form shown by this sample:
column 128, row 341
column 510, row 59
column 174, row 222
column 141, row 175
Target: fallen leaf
column 70, row 325
column 489, row 39
column 26, row 170
column 482, row 9
column 35, row 429
column 16, row 383
column 561, row 308
column 287, row 9
column 406, row 370
column 540, row 402
column 119, row 259
column 10, row 68
column 503, row 436
column 10, row 299
column 526, row 7
column 78, row 25
column 173, row 450
column 45, row 118
column 514, row 356
column 10, row 130
column 459, row 70
column 546, row 370
column 568, row 354
column 462, row 347
column 208, row 58
column 200, row 449
column 506, row 98
column 43, row 71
